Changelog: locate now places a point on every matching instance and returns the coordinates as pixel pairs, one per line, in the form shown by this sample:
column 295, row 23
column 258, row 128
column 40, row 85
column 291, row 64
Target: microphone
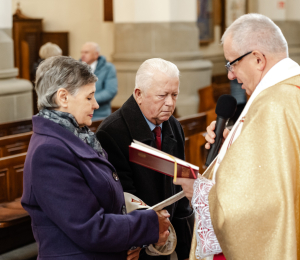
column 225, row 109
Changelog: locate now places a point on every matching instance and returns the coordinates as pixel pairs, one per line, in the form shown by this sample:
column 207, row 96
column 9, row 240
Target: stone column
column 15, row 94
column 159, row 29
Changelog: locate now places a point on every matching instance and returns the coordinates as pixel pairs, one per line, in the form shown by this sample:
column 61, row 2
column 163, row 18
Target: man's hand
column 133, row 254
column 164, row 223
column 210, row 137
column 187, row 186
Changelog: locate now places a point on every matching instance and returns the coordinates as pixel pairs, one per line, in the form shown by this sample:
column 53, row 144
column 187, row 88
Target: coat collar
column 140, row 130
column 100, row 63
column 46, row 127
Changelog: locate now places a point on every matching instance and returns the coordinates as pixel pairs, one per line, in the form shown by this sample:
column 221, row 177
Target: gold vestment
column 255, row 203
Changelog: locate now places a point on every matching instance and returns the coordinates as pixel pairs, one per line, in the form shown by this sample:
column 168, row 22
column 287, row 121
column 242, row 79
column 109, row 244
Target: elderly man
column 147, row 117
column 107, row 85
column 251, row 196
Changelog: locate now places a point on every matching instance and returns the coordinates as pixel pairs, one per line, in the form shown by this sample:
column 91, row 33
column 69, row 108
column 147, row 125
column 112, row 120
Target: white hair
column 149, row 68
column 49, row 49
column 95, row 46
column 256, row 32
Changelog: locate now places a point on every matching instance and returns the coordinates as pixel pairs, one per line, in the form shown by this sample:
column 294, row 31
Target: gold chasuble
column 255, row 203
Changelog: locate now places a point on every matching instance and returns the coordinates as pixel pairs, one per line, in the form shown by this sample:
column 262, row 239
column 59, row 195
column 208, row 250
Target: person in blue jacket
column 71, row 191
column 107, row 84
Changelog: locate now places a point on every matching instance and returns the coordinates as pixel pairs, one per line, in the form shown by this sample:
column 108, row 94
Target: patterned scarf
column 69, row 122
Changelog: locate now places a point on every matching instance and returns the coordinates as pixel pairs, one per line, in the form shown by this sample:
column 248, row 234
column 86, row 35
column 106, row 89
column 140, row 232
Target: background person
column 107, row 84
column 71, row 191
column 147, row 117
column 252, row 196
column 47, row 50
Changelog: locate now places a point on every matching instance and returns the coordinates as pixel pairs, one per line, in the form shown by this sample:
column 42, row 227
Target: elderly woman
column 71, row 191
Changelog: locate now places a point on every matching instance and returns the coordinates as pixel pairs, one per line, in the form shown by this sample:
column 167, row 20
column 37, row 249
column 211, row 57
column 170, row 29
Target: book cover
column 159, row 161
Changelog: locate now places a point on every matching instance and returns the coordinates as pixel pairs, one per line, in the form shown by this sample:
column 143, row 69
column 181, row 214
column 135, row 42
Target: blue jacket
column 76, row 201
column 106, row 87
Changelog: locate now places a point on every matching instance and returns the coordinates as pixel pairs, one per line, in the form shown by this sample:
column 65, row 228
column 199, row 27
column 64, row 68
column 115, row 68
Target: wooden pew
column 206, row 98
column 16, row 127
column 15, row 223
column 19, row 127
column 11, row 177
column 14, row 144
column 193, row 128
column 18, row 143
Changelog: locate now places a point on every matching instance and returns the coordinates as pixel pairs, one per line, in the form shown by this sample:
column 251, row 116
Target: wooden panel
column 220, row 89
column 197, row 151
column 14, row 144
column 14, row 164
column 108, row 11
column 59, row 38
column 206, row 98
column 25, row 57
column 15, row 127
column 193, row 124
column 194, row 128
column 28, row 30
column 3, row 185
column 17, row 181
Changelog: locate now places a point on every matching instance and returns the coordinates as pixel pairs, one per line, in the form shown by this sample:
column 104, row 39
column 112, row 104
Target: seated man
column 147, row 117
column 107, row 85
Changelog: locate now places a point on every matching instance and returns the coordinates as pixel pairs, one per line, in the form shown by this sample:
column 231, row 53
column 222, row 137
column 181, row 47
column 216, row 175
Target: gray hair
column 49, row 49
column 148, row 69
column 256, row 32
column 60, row 72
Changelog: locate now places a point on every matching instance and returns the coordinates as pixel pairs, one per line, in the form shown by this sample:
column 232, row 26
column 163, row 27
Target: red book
column 159, row 161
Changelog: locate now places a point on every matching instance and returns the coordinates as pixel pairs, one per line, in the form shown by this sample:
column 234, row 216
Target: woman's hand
column 210, row 137
column 164, row 223
column 133, row 254
column 187, row 186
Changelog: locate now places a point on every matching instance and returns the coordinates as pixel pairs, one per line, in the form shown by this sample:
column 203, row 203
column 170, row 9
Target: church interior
column 185, row 32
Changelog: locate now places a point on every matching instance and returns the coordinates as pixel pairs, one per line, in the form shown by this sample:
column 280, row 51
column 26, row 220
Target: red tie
column 157, row 132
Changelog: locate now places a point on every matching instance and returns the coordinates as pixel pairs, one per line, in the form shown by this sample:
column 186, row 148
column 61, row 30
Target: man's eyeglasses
column 229, row 66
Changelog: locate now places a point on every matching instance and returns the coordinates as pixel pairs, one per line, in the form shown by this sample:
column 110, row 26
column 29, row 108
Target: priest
column 248, row 201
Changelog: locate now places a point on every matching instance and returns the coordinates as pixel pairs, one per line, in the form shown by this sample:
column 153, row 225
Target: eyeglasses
column 229, row 66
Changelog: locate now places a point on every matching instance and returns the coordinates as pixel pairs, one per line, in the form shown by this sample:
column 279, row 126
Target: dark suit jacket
column 115, row 134
column 75, row 201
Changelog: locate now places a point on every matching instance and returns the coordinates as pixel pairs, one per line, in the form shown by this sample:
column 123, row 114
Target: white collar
column 94, row 65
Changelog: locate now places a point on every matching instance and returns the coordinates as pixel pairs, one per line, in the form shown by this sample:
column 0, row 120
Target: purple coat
column 75, row 200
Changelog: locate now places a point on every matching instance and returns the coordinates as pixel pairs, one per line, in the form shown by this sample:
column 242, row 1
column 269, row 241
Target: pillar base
column 15, row 100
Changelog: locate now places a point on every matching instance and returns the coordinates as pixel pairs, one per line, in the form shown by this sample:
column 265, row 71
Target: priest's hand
column 187, row 186
column 164, row 223
column 210, row 137
column 133, row 254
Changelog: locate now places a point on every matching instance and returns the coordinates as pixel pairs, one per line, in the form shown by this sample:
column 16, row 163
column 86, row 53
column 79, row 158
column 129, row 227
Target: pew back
column 14, row 144
column 194, row 127
column 16, row 127
column 11, row 177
